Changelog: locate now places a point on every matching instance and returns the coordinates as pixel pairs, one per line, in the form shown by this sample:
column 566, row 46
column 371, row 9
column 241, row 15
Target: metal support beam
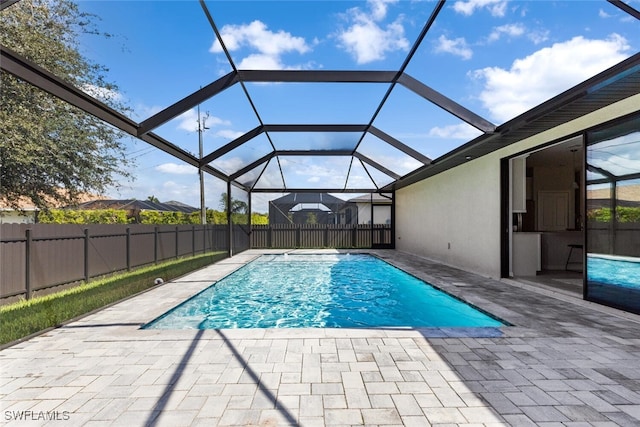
column 6, row 3
column 252, row 165
column 446, row 104
column 232, row 145
column 229, row 222
column 624, row 6
column 377, row 166
column 186, row 103
column 37, row 76
column 399, row 145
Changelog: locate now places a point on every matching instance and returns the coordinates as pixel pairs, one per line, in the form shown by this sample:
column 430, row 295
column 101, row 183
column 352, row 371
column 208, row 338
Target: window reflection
column 613, row 215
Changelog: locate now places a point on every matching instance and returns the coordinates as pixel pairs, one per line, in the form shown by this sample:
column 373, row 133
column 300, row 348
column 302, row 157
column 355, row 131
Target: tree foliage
column 623, row 214
column 237, row 206
column 121, row 216
column 93, row 216
column 51, row 152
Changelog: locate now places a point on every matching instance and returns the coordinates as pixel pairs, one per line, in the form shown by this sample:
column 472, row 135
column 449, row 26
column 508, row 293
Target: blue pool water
column 614, row 271
column 321, row 291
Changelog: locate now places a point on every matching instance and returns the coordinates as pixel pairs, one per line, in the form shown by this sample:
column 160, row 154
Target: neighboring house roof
column 629, row 193
column 376, row 198
column 132, row 204
column 293, row 199
column 25, row 204
column 298, row 198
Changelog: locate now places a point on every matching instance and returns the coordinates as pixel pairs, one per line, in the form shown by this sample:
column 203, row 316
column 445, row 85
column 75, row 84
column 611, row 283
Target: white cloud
column 603, row 14
column 270, row 46
column 510, row 30
column 176, row 169
column 456, row 47
column 460, row 131
column 379, row 8
column 366, row 39
column 546, row 73
column 495, row 7
column 538, row 36
column 189, row 120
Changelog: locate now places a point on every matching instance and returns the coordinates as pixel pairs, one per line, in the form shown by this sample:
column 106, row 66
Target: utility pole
column 201, row 128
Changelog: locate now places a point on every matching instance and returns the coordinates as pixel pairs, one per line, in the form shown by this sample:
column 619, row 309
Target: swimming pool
column 321, row 291
column 615, row 271
column 614, row 281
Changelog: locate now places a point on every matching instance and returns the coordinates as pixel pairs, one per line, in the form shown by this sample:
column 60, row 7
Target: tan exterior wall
column 454, row 217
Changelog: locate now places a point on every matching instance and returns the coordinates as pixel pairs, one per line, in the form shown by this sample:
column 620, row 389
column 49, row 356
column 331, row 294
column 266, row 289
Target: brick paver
column 564, row 362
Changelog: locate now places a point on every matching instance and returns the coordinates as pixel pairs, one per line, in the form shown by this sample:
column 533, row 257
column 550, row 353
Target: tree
column 50, row 151
column 237, row 206
column 153, row 199
column 312, row 218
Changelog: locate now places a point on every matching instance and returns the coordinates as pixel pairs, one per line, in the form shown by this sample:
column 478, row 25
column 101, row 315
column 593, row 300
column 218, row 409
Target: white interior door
column 553, row 210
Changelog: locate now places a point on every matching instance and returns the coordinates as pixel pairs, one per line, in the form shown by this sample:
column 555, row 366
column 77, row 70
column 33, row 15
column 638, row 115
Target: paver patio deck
column 565, row 362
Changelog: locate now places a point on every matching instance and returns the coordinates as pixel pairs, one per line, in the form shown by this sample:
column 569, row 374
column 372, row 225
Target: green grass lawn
column 27, row 317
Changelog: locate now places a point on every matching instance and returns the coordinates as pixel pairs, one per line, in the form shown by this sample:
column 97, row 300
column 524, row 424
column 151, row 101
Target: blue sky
column 497, row 58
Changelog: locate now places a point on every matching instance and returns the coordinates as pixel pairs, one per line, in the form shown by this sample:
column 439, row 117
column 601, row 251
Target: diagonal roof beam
column 35, row 75
column 183, row 155
column 190, row 101
column 604, row 172
column 214, row 27
column 377, row 166
column 399, row 145
column 446, row 104
column 316, row 76
column 251, row 166
column 15, row 64
column 624, row 6
column 7, row 3
column 232, row 145
column 405, row 64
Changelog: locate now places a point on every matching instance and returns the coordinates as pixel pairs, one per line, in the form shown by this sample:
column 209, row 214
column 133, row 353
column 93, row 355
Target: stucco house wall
column 454, row 217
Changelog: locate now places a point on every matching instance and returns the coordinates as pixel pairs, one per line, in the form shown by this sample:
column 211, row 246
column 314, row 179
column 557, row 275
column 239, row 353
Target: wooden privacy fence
column 39, row 256
column 320, row 236
column 34, row 257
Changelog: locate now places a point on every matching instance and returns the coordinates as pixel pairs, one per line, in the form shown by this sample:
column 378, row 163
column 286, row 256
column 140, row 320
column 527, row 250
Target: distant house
column 625, row 196
column 361, row 209
column 25, row 213
column 303, row 208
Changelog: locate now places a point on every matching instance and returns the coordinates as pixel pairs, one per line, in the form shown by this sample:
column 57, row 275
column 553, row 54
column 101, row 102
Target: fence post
column 176, row 242
column 128, row 249
column 269, row 238
column 155, row 244
column 204, row 238
column 354, row 236
column 86, row 255
column 298, row 232
column 326, row 236
column 27, row 254
column 193, row 240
